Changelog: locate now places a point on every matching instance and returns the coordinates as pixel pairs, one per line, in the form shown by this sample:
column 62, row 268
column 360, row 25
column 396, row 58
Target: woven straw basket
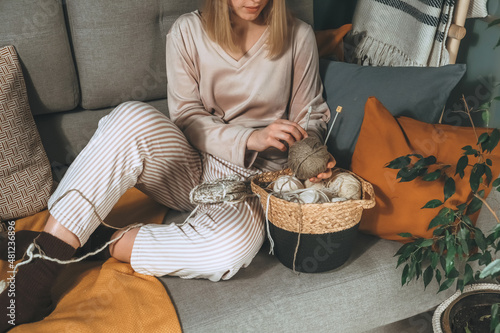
column 312, row 218
column 312, row 226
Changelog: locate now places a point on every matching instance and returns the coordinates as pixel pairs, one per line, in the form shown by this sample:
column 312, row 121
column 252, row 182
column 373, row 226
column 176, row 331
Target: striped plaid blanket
column 403, row 32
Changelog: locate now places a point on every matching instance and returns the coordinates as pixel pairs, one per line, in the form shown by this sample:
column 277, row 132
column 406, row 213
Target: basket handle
column 369, row 195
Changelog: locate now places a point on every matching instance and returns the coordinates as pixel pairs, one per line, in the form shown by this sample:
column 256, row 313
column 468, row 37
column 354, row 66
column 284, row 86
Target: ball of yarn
column 286, row 184
column 319, row 186
column 312, row 196
column 345, row 185
column 338, row 199
column 308, row 158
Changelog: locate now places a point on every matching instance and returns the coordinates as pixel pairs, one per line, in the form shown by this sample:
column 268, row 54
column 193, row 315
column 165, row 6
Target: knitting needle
column 339, row 109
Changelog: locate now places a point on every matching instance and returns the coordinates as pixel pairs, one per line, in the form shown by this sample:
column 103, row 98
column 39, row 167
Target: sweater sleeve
column 205, row 131
column 307, row 88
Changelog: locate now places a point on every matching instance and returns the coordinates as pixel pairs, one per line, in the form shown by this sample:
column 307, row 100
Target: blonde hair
column 217, row 23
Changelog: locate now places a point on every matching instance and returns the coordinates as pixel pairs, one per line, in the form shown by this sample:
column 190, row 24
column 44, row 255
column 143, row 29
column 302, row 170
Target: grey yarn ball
column 308, row 158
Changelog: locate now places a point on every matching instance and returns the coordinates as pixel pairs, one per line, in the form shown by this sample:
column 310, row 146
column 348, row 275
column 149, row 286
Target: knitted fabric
column 230, row 189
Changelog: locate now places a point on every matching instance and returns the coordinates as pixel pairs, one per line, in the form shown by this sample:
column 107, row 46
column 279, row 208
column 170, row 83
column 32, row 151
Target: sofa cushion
column 25, row 176
column 417, row 92
column 384, row 138
column 120, row 46
column 37, row 30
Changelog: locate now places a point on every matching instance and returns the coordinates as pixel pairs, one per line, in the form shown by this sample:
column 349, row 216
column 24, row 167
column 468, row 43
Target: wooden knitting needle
column 338, row 110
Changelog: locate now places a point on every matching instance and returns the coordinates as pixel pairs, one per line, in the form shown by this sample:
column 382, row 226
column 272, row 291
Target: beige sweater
column 218, row 102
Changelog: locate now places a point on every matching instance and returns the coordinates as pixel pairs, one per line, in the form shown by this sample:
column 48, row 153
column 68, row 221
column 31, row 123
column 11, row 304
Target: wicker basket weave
column 312, row 218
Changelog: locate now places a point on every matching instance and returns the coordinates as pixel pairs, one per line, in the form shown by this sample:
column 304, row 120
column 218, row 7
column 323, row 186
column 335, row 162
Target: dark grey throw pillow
column 416, row 92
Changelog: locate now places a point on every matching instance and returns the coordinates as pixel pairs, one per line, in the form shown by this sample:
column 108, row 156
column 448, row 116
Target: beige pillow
column 25, row 175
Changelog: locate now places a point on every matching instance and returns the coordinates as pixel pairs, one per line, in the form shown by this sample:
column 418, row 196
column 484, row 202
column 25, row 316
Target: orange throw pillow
column 331, row 42
column 398, row 206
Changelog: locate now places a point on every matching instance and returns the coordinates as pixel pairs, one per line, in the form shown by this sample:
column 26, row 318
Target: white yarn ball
column 329, row 193
column 287, row 183
column 310, row 196
column 346, row 186
column 318, row 186
column 338, row 199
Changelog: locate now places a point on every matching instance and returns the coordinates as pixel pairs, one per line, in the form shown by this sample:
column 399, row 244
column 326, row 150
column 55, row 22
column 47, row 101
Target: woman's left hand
column 325, row 174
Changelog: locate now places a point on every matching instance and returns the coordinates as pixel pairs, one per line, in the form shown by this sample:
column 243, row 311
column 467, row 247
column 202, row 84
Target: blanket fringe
column 368, row 51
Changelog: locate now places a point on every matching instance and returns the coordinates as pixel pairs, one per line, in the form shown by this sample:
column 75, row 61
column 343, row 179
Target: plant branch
column 489, row 207
column 470, row 118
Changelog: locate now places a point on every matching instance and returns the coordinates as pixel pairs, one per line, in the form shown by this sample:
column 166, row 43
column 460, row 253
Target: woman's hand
column 275, row 134
column 325, row 174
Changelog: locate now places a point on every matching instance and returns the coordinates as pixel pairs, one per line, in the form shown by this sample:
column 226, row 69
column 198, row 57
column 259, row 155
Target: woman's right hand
column 275, row 134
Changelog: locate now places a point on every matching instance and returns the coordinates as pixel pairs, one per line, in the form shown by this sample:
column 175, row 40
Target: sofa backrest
column 119, row 46
column 37, row 29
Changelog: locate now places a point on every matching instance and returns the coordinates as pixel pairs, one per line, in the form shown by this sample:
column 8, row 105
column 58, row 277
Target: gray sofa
column 83, row 57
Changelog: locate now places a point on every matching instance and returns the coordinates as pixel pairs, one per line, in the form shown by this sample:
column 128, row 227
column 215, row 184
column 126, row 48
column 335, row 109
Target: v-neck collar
column 246, row 56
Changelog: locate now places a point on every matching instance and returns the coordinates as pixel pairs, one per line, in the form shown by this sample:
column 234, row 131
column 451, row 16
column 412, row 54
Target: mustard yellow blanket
column 109, row 296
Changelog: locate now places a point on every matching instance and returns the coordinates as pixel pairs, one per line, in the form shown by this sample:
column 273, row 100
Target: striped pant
column 136, row 145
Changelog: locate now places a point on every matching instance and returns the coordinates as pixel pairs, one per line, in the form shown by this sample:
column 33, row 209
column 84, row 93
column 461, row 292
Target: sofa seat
column 65, row 134
column 363, row 294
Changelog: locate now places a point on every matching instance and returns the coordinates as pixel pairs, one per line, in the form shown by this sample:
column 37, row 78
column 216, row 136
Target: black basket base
column 317, row 252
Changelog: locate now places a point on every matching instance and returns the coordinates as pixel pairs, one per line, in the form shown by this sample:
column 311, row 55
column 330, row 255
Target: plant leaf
column 449, row 188
column 431, row 176
column 460, row 284
column 469, row 150
column 475, row 257
column 428, row 275
column 483, row 137
column 489, row 145
column 486, row 117
column 429, row 160
column 480, row 240
column 468, row 274
column 463, row 236
column 496, row 182
column 474, row 206
column 489, row 175
column 434, row 259
column 476, row 175
column 404, row 276
column 446, row 284
column 406, row 174
column 445, row 216
column 492, row 269
column 405, row 234
column 438, row 276
column 433, row 203
column 399, row 162
column 402, row 249
column 461, row 165
column 427, row 242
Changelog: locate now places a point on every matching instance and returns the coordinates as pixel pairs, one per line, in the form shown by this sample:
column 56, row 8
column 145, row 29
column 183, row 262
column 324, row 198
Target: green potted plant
column 459, row 253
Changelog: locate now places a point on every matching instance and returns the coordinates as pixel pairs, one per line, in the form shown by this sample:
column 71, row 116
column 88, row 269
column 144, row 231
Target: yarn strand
column 298, row 240
column 34, row 246
column 271, row 241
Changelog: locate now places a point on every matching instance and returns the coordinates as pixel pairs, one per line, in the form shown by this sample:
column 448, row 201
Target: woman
column 242, row 75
